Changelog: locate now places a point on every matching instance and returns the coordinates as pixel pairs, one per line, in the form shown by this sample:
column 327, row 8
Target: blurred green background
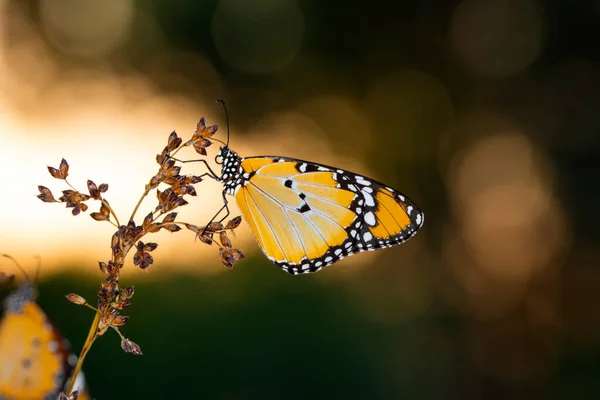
column 485, row 113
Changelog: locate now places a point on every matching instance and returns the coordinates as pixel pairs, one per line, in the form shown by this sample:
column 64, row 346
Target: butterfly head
column 221, row 155
column 230, row 163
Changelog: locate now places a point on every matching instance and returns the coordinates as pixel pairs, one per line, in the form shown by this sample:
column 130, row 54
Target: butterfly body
column 306, row 216
column 34, row 358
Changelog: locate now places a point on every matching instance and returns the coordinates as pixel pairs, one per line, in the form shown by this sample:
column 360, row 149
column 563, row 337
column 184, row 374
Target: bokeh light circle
column 497, row 38
column 86, row 28
column 502, row 193
column 258, row 36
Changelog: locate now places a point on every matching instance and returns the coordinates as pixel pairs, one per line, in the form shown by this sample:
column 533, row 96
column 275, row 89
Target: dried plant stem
column 139, row 203
column 68, row 183
column 111, row 299
column 84, row 350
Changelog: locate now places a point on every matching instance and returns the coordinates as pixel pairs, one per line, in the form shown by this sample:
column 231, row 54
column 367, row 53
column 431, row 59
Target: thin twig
column 86, row 347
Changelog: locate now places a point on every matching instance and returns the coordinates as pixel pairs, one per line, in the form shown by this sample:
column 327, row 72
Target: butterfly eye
column 219, row 159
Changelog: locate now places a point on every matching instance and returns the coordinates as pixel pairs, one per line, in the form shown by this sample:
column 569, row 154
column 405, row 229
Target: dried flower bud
column 148, row 220
column 46, row 195
column 206, row 238
column 103, row 267
column 120, row 320
column 62, row 172
column 230, row 256
column 170, row 217
column 150, row 246
column 76, row 299
column 160, row 158
column 174, row 141
column 200, row 146
column 93, row 190
column 194, row 228
column 112, row 268
column 128, row 292
column 121, row 304
column 142, row 256
column 192, row 179
column 172, row 228
column 224, row 239
column 205, row 131
column 233, row 223
column 131, row 347
column 214, row 227
column 130, row 232
column 115, row 241
column 103, row 214
column 110, row 283
column 168, row 220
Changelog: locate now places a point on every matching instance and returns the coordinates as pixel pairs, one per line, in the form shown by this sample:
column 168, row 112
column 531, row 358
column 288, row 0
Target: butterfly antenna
column 37, row 269
column 11, row 258
column 226, row 119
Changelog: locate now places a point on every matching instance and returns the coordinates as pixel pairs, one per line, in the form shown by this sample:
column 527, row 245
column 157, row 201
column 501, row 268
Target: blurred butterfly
column 34, row 358
column 306, row 216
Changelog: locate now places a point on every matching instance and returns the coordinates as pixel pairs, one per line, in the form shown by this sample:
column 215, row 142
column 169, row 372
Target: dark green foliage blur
column 255, row 332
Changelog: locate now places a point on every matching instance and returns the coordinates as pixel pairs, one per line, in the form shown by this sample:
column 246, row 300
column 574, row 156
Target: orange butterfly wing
column 306, row 216
column 33, row 356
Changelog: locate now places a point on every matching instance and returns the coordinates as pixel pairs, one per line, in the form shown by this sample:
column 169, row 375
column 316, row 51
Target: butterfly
column 34, row 358
column 306, row 216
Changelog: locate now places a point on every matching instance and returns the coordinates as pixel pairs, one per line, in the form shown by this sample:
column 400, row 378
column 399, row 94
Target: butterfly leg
column 225, row 207
column 210, row 172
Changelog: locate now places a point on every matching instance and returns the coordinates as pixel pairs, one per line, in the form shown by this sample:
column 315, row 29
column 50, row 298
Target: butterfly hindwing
column 34, row 358
column 306, row 216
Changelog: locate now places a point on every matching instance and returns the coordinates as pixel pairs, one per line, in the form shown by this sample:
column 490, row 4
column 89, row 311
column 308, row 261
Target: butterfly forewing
column 306, row 216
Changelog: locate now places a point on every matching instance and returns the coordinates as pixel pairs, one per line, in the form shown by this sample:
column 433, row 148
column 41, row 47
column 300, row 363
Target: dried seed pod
column 128, row 292
column 46, row 195
column 131, row 347
column 120, row 320
column 76, row 299
column 234, row 222
column 62, row 172
column 174, row 141
column 103, row 214
column 93, row 190
column 230, row 256
column 224, row 239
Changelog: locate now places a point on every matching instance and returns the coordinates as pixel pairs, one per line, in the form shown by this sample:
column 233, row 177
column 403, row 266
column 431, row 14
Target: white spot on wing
column 362, row 181
column 368, row 199
column 370, row 219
